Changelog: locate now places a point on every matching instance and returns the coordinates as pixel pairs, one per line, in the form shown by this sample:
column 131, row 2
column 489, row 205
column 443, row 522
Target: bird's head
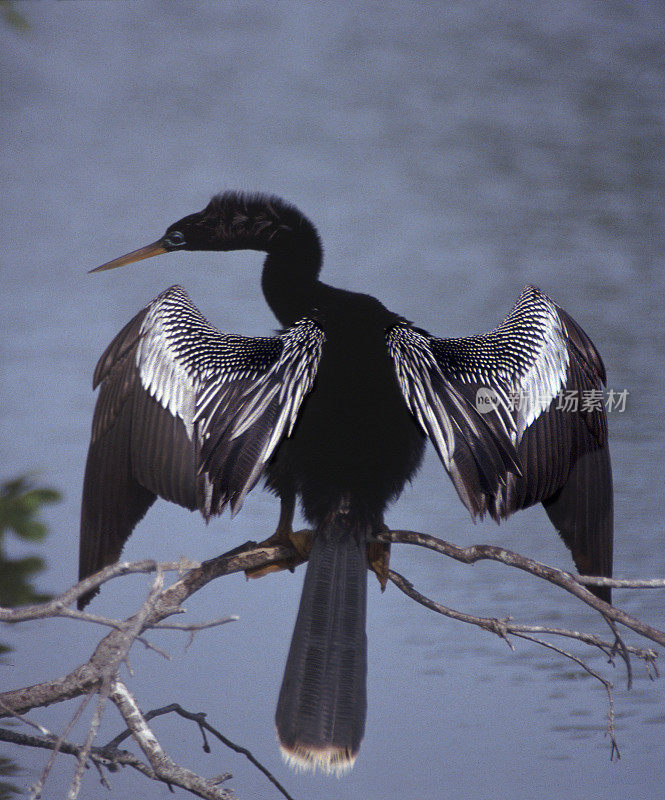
column 236, row 221
column 193, row 232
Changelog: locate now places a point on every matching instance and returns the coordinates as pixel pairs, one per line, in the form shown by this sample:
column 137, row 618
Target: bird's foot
column 378, row 556
column 300, row 542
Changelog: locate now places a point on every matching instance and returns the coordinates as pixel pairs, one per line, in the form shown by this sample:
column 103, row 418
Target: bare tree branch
column 164, row 767
column 87, row 676
column 571, row 583
column 58, row 605
column 614, row 748
column 100, row 674
column 204, row 725
column 505, row 628
column 98, row 755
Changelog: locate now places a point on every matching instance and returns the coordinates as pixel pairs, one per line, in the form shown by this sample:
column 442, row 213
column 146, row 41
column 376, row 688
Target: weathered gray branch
column 163, row 766
column 87, row 676
column 111, row 759
column 571, row 583
column 204, row 725
column 100, row 673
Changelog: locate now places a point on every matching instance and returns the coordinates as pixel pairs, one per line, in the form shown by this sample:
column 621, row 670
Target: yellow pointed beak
column 150, row 250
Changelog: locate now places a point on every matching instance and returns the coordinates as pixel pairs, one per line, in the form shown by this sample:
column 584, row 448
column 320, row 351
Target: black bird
column 334, row 411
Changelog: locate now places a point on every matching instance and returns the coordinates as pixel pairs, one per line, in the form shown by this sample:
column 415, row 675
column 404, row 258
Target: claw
column 378, row 556
column 299, row 541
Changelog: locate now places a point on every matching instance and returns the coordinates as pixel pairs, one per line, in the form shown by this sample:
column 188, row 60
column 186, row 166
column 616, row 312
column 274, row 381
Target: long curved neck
column 294, row 253
column 293, row 262
column 289, row 281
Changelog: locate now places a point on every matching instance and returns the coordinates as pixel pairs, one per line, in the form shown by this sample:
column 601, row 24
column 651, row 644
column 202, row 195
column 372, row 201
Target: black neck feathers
column 234, row 221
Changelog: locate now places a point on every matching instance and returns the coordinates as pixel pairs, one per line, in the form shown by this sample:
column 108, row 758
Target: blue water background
column 449, row 154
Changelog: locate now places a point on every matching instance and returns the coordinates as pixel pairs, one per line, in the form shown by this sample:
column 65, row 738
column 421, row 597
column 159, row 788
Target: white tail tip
column 335, row 761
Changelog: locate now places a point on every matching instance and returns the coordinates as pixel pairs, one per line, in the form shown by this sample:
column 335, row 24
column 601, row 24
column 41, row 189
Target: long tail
column 322, row 703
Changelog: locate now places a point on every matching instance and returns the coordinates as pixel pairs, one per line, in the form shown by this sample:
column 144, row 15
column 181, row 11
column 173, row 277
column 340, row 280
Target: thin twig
column 193, row 626
column 58, row 605
column 204, row 725
column 10, row 712
column 99, row 673
column 607, row 685
column 164, row 767
column 620, row 647
column 82, row 760
column 98, row 755
column 150, row 646
column 621, row 583
column 480, row 552
column 36, row 788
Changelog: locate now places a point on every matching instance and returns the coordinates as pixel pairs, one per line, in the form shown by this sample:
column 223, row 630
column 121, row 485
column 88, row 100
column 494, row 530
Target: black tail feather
column 322, row 703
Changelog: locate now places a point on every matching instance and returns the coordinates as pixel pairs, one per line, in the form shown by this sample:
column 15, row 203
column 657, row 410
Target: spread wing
column 187, row 413
column 536, row 381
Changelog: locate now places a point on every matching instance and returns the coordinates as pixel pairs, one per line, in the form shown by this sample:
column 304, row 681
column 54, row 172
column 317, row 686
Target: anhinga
column 334, row 411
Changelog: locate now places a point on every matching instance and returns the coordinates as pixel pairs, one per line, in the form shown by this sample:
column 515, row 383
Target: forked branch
column 100, row 674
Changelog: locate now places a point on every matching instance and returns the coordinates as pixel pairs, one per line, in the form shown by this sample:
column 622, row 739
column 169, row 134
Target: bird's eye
column 175, row 239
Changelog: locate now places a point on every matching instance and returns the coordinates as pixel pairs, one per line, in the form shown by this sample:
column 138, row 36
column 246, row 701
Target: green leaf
column 20, row 505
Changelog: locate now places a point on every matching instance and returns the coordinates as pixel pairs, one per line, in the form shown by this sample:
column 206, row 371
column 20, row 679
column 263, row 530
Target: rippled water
column 449, row 155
